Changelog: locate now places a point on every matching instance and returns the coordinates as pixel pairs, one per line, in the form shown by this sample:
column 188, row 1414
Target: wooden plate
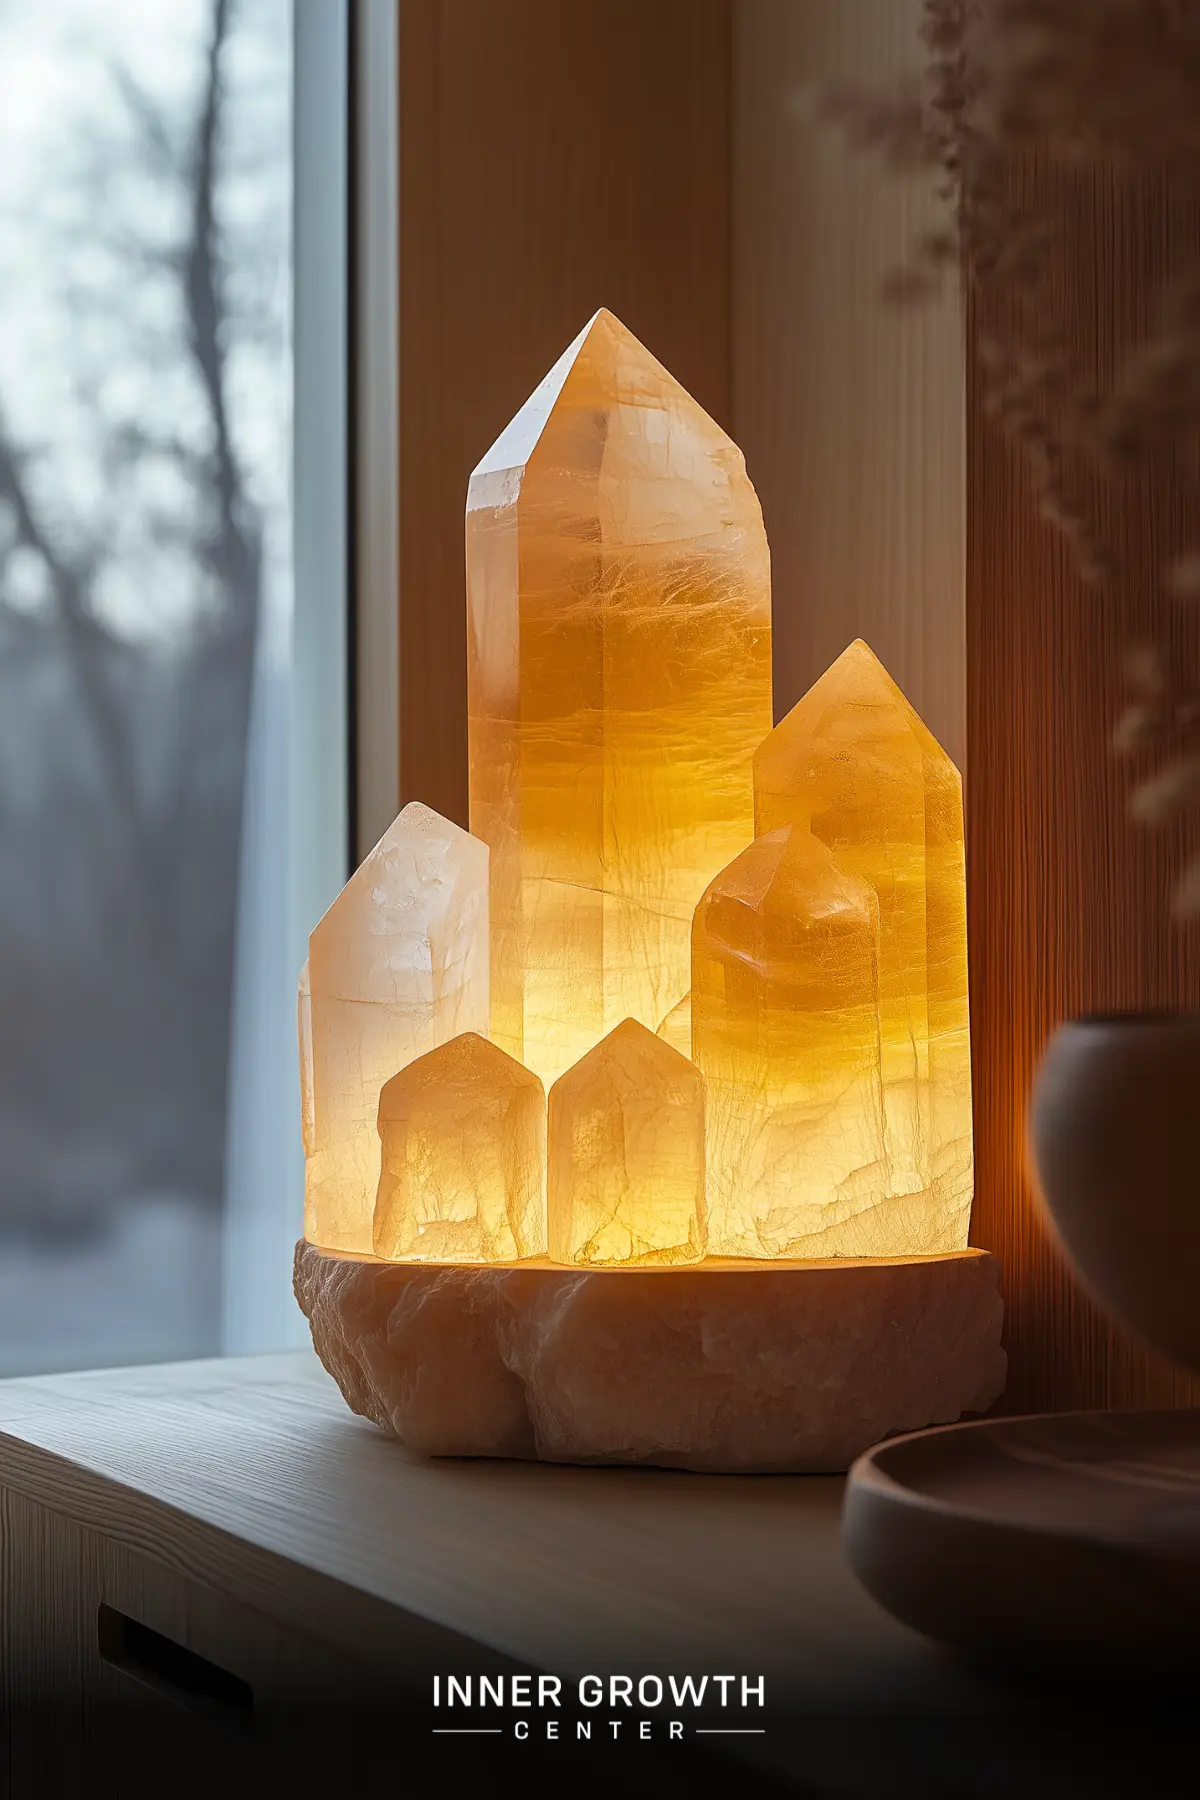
column 1068, row 1539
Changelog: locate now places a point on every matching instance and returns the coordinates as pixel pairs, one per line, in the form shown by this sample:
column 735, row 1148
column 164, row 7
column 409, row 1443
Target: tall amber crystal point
column 463, row 1158
column 853, row 763
column 619, row 681
column 785, row 1026
column 398, row 965
column 626, row 1154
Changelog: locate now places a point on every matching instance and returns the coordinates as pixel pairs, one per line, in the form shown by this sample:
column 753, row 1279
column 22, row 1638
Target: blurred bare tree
column 131, row 581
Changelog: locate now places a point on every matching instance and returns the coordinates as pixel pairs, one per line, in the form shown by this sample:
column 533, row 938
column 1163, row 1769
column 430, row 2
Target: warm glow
column 463, row 1156
column 619, row 682
column 626, row 1147
column 398, row 965
column 785, row 1027
column 734, row 956
column 676, row 1028
column 853, row 763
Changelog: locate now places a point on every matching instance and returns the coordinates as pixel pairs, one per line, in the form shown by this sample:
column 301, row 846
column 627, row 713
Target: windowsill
column 248, row 1478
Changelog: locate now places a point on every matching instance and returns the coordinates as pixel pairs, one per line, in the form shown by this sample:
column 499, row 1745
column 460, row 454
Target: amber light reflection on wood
column 619, row 682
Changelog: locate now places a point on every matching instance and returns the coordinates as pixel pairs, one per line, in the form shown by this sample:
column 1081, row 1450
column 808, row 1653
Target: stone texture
column 625, row 1154
column 398, row 965
column 793, row 1367
column 785, row 1026
column 462, row 1136
column 853, row 763
column 619, row 682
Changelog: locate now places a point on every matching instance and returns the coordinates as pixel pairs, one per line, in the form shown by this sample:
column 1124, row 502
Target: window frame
column 374, row 442
column 264, row 1185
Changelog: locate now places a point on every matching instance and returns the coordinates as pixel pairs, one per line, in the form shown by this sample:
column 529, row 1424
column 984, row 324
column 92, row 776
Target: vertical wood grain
column 850, row 412
column 679, row 177
column 1068, row 899
column 553, row 159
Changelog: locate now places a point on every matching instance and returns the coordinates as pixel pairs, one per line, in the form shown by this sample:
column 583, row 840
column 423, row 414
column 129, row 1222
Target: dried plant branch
column 1113, row 83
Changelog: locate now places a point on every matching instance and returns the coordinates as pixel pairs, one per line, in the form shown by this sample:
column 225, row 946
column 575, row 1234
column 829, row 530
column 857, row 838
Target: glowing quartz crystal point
column 463, row 1151
column 619, row 681
column 397, row 966
column 626, row 1154
column 853, row 763
column 785, row 1026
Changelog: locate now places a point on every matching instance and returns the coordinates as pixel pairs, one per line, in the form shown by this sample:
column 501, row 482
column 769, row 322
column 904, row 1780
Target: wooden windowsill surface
column 249, row 1478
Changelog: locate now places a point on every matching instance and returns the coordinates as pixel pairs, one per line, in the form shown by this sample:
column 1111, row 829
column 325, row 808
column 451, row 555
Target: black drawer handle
column 173, row 1671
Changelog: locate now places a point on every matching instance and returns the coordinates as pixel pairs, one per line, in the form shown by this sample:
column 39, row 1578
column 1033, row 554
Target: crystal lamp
column 637, row 1118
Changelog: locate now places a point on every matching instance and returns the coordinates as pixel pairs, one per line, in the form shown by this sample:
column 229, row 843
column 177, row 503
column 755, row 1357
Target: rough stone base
column 722, row 1366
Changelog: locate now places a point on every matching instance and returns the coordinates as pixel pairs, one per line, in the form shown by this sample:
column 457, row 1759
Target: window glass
column 145, row 170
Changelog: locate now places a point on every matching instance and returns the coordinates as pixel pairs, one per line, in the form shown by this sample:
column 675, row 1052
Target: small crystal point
column 463, row 1153
column 785, row 1026
column 398, row 965
column 626, row 1154
column 855, row 764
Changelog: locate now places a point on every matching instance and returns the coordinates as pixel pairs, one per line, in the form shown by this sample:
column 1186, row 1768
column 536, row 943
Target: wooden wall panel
column 678, row 177
column 851, row 413
column 854, row 424
column 554, row 158
column 1068, row 900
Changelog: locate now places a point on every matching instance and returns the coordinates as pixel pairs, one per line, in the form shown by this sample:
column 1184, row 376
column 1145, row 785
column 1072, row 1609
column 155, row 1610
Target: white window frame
column 304, row 754
column 374, row 417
